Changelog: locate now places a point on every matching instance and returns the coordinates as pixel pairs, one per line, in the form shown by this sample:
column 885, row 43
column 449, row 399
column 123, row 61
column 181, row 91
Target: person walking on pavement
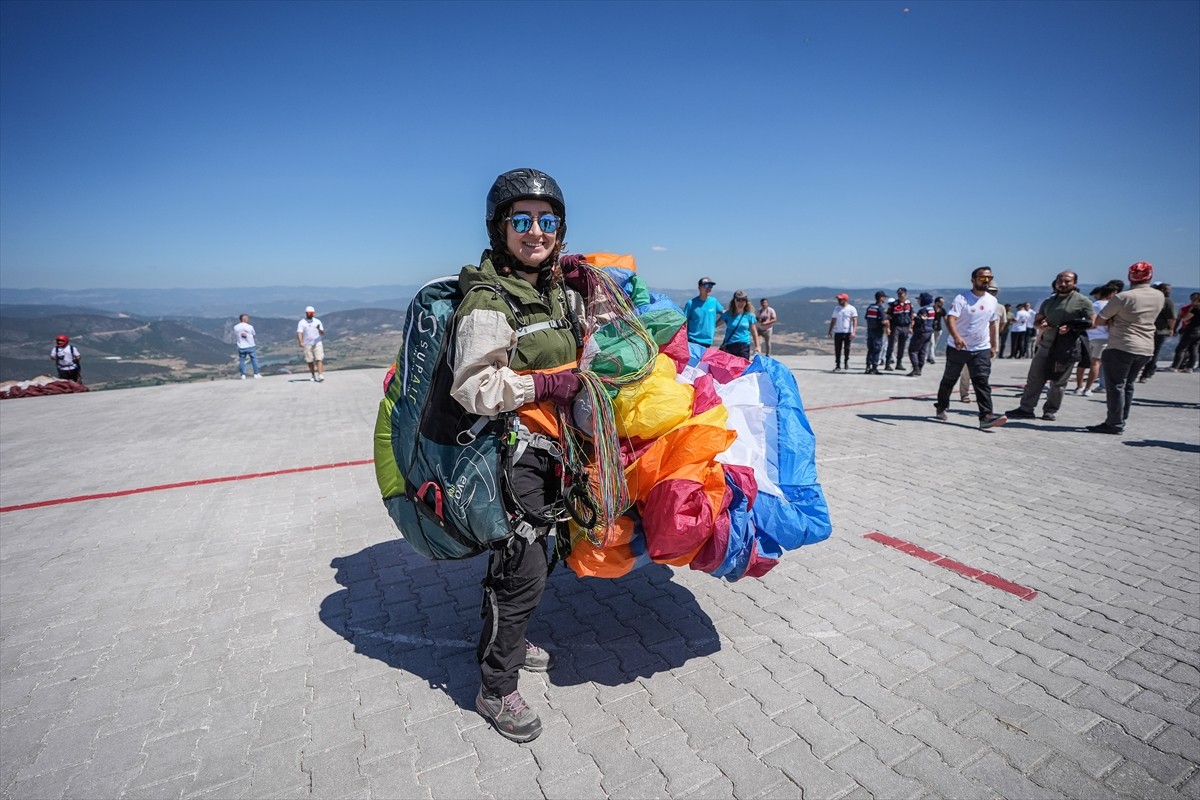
column 1189, row 337
column 243, row 334
column 702, row 312
column 842, row 327
column 67, row 361
column 939, row 315
column 1097, row 341
column 308, row 334
column 496, row 371
column 900, row 313
column 1164, row 328
column 973, row 341
column 1062, row 319
column 922, row 332
column 766, row 322
column 877, row 328
column 1130, row 317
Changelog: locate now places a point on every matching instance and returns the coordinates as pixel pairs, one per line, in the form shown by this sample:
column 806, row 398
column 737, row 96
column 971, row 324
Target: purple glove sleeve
column 574, row 272
column 559, row 387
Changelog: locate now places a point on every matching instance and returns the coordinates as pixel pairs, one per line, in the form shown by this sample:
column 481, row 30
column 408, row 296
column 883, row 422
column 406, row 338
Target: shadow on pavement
column 1182, row 447
column 422, row 617
column 1139, row 401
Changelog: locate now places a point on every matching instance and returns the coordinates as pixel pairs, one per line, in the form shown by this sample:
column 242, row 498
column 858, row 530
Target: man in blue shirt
column 702, row 312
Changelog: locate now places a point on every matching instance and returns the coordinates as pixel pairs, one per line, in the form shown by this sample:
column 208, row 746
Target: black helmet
column 520, row 184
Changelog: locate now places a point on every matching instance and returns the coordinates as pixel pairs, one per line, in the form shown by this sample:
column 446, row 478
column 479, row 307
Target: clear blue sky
column 854, row 144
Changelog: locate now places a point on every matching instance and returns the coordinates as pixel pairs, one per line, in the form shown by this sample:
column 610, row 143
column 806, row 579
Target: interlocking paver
column 272, row 638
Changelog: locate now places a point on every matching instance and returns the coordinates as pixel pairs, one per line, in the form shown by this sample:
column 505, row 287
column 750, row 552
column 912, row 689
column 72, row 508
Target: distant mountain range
column 136, row 336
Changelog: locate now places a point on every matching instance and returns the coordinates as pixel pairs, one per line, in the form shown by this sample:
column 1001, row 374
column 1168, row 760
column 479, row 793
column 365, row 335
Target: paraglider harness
column 525, row 523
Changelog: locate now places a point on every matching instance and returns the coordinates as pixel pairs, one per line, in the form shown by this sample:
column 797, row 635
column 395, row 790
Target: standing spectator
column 1189, row 337
column 964, row 378
column 1164, row 328
column 922, row 333
column 842, row 327
column 741, row 338
column 1022, row 319
column 1130, row 319
column 702, row 312
column 66, row 359
column 1062, row 319
column 1097, row 341
column 877, row 327
column 308, row 334
column 973, row 335
column 939, row 315
column 766, row 321
column 1006, row 315
column 900, row 325
column 243, row 334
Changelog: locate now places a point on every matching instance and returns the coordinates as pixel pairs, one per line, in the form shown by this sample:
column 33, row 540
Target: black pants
column 72, row 374
column 1152, row 365
column 979, row 366
column 515, row 580
column 841, row 350
column 897, row 343
column 1000, row 346
column 917, row 349
column 1186, row 349
column 739, row 349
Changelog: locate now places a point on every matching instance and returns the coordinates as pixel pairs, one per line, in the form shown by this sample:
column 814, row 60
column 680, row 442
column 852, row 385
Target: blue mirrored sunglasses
column 523, row 223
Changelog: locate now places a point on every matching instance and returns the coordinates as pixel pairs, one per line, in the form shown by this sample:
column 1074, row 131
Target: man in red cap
column 1130, row 317
column 842, row 327
column 66, row 359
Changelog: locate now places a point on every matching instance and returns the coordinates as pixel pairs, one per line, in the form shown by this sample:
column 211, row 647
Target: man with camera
column 1063, row 318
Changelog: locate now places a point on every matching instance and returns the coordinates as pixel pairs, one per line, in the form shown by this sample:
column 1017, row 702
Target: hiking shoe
column 509, row 715
column 537, row 659
column 1104, row 427
column 1048, row 416
column 1020, row 413
column 940, row 414
column 992, row 421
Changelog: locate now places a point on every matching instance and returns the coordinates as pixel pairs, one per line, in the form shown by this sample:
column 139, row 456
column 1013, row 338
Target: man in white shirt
column 973, row 343
column 308, row 334
column 842, row 327
column 243, row 334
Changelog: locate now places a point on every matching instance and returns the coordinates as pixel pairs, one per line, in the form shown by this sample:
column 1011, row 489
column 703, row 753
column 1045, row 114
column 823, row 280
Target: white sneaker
column 257, row 375
column 243, row 377
column 1087, row 392
column 312, row 378
column 320, row 379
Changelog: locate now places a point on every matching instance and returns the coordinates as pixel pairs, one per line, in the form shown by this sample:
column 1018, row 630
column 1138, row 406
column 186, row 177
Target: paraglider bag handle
column 423, row 496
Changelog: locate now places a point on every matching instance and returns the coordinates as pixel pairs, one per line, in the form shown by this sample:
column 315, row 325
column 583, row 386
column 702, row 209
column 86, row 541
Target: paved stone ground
column 270, row 637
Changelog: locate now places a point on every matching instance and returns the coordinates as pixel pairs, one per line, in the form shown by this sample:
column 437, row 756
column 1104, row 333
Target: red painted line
column 225, row 479
column 994, row 581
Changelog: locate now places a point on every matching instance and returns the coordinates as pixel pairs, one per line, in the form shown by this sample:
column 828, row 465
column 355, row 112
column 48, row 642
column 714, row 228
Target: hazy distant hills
column 132, row 337
column 277, row 301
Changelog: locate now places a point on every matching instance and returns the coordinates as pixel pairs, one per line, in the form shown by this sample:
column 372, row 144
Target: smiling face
column 532, row 247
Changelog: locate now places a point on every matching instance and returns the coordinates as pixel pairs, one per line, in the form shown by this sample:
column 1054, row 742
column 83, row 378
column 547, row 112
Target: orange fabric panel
column 609, row 562
column 540, row 417
column 680, row 561
column 684, row 452
column 624, row 261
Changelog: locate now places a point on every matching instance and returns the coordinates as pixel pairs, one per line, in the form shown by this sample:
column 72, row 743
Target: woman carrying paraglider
column 515, row 346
